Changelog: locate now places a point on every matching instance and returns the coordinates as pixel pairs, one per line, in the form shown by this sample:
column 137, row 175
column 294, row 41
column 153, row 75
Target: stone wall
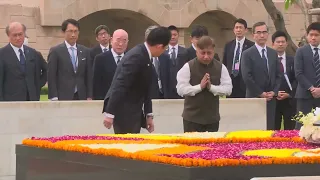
column 21, row 120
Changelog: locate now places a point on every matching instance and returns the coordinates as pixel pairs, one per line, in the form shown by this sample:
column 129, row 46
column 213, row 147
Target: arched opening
column 132, row 22
column 220, row 27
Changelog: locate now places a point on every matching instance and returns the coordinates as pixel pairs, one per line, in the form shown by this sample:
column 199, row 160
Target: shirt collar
column 194, row 47
column 312, row 47
column 175, row 46
column 115, row 54
column 103, row 47
column 149, row 52
column 241, row 40
column 16, row 48
column 260, row 48
column 68, row 45
column 283, row 55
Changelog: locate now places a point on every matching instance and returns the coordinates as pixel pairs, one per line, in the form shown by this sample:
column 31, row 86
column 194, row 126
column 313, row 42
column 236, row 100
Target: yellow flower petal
column 278, row 153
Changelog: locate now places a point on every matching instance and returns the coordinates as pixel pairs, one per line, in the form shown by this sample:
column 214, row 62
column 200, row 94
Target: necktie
column 156, row 65
column 73, row 59
column 173, row 55
column 22, row 61
column 281, row 65
column 105, row 50
column 317, row 66
column 264, row 58
column 119, row 58
column 236, row 65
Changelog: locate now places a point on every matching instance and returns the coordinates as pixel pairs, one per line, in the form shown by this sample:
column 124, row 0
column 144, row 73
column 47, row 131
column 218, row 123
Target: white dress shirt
column 115, row 55
column 184, row 88
column 175, row 49
column 108, row 115
column 104, row 47
column 16, row 50
column 283, row 62
column 236, row 47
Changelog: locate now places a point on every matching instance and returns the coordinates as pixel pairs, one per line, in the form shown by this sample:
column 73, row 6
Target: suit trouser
column 271, row 114
column 133, row 128
column 285, row 109
column 189, row 126
column 305, row 106
column 237, row 91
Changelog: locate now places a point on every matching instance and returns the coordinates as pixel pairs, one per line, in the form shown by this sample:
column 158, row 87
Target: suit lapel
column 66, row 55
column 270, row 61
column 81, row 58
column 112, row 62
column 233, row 46
column 245, row 45
column 13, row 54
column 28, row 56
column 258, row 57
column 311, row 54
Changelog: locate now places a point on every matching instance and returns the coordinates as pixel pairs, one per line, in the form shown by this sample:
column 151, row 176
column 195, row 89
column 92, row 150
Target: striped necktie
column 317, row 66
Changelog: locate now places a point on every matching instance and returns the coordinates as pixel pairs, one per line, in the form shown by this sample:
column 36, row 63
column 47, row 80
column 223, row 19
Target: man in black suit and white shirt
column 22, row 69
column 196, row 33
column 105, row 64
column 286, row 106
column 69, row 67
column 261, row 73
column 103, row 37
column 129, row 93
column 232, row 57
column 307, row 70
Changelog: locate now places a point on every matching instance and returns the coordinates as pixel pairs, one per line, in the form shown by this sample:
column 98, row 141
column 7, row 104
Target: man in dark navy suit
column 232, row 57
column 103, row 37
column 105, row 64
column 127, row 105
column 286, row 105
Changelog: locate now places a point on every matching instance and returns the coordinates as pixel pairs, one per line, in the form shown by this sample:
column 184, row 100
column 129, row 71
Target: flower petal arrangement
column 237, row 148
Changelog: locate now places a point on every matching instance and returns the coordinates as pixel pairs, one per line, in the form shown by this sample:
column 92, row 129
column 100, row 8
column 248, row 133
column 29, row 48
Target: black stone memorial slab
column 47, row 164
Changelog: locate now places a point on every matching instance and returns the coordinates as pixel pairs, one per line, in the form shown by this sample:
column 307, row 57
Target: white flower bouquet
column 310, row 131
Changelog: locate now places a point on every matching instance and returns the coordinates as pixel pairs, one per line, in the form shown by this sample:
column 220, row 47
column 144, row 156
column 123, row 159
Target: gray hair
column 149, row 29
column 8, row 28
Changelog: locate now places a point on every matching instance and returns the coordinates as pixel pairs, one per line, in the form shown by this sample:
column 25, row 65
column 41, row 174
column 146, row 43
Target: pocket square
column 83, row 59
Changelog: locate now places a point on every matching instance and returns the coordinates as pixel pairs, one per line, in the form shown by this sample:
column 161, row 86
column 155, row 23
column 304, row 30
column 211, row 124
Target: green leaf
column 288, row 3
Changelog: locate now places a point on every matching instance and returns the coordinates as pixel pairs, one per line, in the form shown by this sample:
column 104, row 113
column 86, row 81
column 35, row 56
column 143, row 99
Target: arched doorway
column 220, row 27
column 132, row 22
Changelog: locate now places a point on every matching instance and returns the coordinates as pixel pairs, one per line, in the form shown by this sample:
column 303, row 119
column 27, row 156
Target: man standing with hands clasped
column 201, row 81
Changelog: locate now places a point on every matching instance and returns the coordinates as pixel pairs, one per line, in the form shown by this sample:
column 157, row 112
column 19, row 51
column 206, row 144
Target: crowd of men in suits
column 75, row 72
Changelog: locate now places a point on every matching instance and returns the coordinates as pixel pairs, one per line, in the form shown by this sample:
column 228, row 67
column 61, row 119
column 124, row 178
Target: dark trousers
column 237, row 91
column 305, row 106
column 271, row 113
column 189, row 126
column 76, row 96
column 133, row 128
column 285, row 109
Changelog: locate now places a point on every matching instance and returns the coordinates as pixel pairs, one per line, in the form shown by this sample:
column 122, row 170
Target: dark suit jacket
column 94, row 52
column 130, row 89
column 255, row 73
column 191, row 54
column 291, row 76
column 305, row 71
column 16, row 85
column 104, row 67
column 239, row 88
column 62, row 79
column 170, row 69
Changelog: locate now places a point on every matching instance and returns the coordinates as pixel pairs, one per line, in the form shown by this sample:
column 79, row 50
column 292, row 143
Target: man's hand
column 270, row 95
column 282, row 95
column 209, row 81
column 315, row 92
column 150, row 125
column 108, row 122
column 204, row 81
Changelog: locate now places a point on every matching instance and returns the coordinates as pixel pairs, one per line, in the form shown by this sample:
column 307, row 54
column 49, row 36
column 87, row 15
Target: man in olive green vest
column 201, row 81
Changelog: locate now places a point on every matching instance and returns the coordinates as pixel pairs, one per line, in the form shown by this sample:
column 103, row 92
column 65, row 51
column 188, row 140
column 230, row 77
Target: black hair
column 199, row 31
column 314, row 26
column 241, row 21
column 278, row 34
column 257, row 25
column 101, row 27
column 65, row 24
column 160, row 35
column 173, row 28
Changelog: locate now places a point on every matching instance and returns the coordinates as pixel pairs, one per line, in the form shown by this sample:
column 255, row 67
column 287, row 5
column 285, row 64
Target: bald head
column 16, row 33
column 119, row 41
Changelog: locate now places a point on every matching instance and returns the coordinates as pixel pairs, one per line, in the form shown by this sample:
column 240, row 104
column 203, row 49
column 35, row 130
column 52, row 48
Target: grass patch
column 43, row 97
